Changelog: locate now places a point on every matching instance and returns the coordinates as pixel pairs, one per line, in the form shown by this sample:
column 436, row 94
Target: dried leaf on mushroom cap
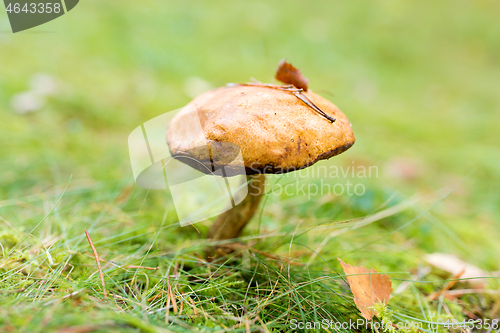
column 288, row 74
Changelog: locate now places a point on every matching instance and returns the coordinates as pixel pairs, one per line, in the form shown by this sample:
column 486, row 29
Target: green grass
column 418, row 80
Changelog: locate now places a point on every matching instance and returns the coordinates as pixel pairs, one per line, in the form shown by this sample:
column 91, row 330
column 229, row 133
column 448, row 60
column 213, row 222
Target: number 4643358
column 34, row 8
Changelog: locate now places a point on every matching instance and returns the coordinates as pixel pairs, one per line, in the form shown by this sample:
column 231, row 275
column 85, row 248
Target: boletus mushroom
column 277, row 129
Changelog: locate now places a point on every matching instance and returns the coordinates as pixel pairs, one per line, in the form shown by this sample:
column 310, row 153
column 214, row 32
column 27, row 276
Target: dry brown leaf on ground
column 286, row 73
column 448, row 286
column 453, row 265
column 368, row 287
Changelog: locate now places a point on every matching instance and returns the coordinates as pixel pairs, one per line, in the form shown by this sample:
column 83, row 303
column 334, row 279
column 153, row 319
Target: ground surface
column 418, row 80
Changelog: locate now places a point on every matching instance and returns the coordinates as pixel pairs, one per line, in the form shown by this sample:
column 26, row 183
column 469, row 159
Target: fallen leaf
column 288, row 74
column 368, row 287
column 27, row 102
column 453, row 265
column 447, row 287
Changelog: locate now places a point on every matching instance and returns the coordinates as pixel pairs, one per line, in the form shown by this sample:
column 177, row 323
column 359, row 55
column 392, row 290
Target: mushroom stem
column 230, row 223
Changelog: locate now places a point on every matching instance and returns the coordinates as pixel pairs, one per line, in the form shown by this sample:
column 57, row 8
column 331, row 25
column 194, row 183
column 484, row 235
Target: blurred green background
column 419, row 81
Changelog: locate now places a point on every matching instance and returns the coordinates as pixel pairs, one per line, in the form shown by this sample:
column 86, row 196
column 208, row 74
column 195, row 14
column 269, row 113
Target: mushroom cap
column 275, row 131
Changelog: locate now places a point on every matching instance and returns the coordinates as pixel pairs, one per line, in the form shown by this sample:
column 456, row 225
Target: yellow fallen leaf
column 368, row 287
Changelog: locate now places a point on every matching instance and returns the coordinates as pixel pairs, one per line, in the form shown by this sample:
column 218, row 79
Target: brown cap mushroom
column 278, row 129
column 275, row 131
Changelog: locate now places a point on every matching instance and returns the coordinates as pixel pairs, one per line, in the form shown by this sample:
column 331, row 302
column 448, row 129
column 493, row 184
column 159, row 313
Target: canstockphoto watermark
column 485, row 324
column 360, row 324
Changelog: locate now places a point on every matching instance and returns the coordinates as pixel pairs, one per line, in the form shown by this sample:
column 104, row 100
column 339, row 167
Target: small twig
column 143, row 267
column 155, row 297
column 171, row 295
column 247, row 324
column 193, row 306
column 198, row 231
column 306, row 100
column 297, row 92
column 167, row 311
column 460, row 292
column 448, row 286
column 71, row 270
column 12, row 291
column 98, row 264
column 181, row 307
